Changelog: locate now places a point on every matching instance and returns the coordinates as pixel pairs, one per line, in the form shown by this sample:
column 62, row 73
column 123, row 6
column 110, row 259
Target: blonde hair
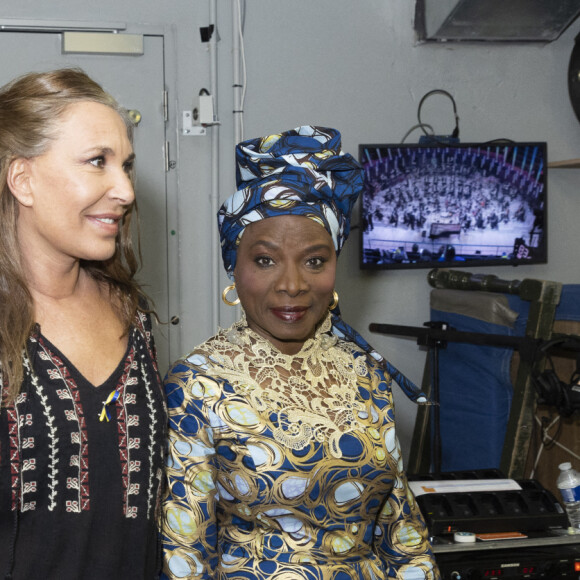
column 31, row 107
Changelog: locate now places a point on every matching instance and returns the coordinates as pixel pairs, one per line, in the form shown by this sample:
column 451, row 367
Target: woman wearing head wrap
column 284, row 462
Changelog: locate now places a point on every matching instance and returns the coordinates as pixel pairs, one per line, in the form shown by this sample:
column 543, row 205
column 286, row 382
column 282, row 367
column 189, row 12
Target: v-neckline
column 79, row 378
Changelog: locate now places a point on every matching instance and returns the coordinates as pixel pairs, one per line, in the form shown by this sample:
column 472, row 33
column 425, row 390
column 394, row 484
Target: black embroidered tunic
column 79, row 486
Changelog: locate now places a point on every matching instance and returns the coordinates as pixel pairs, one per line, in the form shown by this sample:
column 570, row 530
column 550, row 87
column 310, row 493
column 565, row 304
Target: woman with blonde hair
column 82, row 421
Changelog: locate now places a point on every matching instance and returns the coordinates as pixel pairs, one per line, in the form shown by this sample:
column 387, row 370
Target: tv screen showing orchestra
column 449, row 205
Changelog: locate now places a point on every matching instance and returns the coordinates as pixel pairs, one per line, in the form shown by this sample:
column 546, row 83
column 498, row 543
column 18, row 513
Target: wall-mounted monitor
column 448, row 205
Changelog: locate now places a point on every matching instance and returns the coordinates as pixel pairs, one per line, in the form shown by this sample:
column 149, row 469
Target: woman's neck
column 47, row 280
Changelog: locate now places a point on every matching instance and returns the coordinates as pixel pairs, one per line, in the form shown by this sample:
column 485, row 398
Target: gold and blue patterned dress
column 287, row 467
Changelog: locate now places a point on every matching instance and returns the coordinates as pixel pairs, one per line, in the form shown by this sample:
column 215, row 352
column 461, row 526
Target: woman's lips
column 290, row 314
column 107, row 222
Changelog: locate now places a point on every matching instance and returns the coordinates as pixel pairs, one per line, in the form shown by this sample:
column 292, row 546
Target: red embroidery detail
column 14, row 455
column 141, row 319
column 122, row 429
column 84, row 455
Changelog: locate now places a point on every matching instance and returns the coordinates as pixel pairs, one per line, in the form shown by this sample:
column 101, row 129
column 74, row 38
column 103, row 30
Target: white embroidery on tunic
column 53, row 458
column 151, row 443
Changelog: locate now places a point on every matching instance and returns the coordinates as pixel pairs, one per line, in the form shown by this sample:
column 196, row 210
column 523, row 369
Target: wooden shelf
column 567, row 164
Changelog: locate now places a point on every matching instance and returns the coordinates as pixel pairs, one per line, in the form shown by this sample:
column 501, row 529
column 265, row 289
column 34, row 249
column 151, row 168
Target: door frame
column 167, row 33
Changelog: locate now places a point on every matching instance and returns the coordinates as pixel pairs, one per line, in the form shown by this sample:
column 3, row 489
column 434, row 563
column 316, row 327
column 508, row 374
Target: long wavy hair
column 31, row 109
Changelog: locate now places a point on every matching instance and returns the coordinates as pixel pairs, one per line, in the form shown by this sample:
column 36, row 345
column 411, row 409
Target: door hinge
column 169, row 164
column 165, row 106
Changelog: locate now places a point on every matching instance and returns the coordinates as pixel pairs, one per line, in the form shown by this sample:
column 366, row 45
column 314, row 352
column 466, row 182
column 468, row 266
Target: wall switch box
column 206, row 110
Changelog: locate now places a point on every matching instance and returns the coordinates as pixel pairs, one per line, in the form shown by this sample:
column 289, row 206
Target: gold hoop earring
column 334, row 300
column 225, row 294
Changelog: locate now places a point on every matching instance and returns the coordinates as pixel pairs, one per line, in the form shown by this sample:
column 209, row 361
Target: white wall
column 354, row 66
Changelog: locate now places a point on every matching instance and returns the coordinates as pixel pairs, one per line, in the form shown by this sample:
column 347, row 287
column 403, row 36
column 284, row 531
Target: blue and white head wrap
column 299, row 172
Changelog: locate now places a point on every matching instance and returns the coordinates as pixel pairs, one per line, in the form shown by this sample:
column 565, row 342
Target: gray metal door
column 137, row 81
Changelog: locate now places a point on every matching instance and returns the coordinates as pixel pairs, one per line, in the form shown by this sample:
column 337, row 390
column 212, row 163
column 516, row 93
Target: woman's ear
column 18, row 180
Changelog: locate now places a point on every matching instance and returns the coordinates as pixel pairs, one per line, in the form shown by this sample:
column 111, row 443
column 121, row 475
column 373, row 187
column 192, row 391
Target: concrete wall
column 354, row 66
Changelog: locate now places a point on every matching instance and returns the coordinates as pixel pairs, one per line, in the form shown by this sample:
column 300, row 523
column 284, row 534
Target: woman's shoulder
column 198, row 361
column 194, row 378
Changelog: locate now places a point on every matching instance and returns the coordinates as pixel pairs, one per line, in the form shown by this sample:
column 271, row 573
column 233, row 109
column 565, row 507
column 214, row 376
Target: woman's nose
column 291, row 280
column 122, row 188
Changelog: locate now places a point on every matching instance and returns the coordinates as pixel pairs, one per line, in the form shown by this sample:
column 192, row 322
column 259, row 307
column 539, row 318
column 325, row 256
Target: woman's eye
column 264, row 261
column 128, row 167
column 316, row 262
column 97, row 161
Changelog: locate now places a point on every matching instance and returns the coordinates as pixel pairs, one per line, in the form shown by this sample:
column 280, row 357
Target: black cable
column 549, row 441
column 414, row 127
column 550, row 389
column 499, row 141
column 455, row 133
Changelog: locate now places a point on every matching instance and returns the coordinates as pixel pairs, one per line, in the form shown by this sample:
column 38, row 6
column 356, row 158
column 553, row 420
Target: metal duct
column 494, row 20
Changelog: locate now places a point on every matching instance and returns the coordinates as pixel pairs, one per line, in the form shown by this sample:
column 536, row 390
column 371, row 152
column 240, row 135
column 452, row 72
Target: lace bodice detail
column 313, row 393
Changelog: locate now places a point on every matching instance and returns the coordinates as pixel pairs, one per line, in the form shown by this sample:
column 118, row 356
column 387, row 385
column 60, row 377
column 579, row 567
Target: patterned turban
column 299, row 172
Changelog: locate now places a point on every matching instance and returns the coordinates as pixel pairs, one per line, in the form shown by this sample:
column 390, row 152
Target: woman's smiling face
column 285, row 273
column 74, row 196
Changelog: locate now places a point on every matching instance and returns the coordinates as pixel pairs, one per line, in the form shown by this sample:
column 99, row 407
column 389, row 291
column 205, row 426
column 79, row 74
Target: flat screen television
column 440, row 205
